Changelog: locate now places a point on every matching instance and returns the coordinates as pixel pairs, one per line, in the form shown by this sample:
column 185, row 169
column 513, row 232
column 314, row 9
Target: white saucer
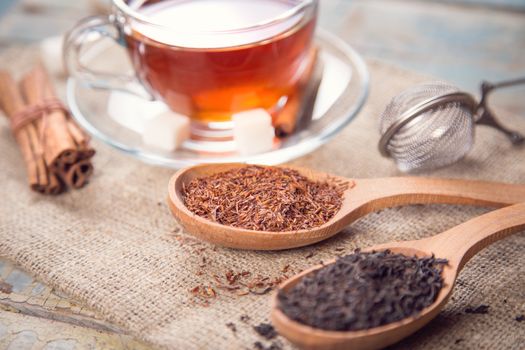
column 342, row 93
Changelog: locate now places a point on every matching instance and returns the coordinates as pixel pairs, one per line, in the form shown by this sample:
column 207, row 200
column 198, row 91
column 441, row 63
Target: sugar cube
column 132, row 111
column 51, row 54
column 166, row 131
column 253, row 131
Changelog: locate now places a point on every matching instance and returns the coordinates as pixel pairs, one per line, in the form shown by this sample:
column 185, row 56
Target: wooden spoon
column 458, row 245
column 362, row 197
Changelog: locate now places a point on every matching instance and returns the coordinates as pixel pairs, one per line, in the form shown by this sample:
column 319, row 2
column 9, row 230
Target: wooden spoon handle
column 462, row 242
column 396, row 191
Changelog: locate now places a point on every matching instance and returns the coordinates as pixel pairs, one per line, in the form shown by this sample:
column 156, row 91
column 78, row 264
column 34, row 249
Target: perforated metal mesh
column 435, row 138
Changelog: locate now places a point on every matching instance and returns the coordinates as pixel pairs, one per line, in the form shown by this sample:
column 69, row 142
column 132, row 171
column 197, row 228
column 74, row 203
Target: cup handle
column 91, row 30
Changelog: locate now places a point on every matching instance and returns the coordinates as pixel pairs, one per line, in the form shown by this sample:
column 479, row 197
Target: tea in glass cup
column 207, row 59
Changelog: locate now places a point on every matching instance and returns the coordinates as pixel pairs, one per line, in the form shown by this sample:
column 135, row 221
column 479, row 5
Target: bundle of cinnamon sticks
column 55, row 150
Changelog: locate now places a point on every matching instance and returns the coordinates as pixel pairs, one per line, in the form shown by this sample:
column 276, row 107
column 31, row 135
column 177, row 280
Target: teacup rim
column 301, row 6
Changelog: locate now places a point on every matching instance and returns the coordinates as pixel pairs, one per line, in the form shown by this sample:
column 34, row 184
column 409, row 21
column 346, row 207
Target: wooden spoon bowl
column 457, row 245
column 362, row 197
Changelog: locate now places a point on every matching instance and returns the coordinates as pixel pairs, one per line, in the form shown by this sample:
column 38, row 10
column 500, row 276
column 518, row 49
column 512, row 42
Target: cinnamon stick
column 78, row 174
column 81, row 140
column 39, row 177
column 49, row 181
column 285, row 121
column 60, row 150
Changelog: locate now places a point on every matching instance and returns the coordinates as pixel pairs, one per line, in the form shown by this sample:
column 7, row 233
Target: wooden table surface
column 460, row 41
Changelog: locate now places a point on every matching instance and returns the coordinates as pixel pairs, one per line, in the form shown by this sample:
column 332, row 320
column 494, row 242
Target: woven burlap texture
column 114, row 245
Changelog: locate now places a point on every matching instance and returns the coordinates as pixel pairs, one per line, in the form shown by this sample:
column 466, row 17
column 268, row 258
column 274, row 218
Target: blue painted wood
column 5, row 6
column 502, row 4
column 460, row 44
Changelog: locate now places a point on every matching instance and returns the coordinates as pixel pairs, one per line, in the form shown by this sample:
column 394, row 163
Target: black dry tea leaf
column 266, row 330
column 364, row 290
column 264, row 199
column 273, row 346
column 482, row 309
column 232, row 327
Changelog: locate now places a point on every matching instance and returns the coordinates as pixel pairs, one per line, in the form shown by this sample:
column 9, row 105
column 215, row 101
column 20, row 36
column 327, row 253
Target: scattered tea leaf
column 232, row 326
column 266, row 330
column 5, row 287
column 481, row 309
column 261, row 292
column 273, row 346
column 309, row 255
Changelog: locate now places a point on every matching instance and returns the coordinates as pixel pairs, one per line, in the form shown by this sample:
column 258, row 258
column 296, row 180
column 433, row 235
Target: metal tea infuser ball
column 432, row 125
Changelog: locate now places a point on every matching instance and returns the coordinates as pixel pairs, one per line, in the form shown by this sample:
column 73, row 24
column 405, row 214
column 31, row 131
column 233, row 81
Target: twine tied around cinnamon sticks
column 31, row 113
column 55, row 150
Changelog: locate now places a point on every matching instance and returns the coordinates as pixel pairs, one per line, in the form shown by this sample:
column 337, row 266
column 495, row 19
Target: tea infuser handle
column 92, row 30
column 487, row 117
column 491, row 86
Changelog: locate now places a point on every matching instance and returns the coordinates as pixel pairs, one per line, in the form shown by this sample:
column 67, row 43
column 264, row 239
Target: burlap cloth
column 114, row 245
